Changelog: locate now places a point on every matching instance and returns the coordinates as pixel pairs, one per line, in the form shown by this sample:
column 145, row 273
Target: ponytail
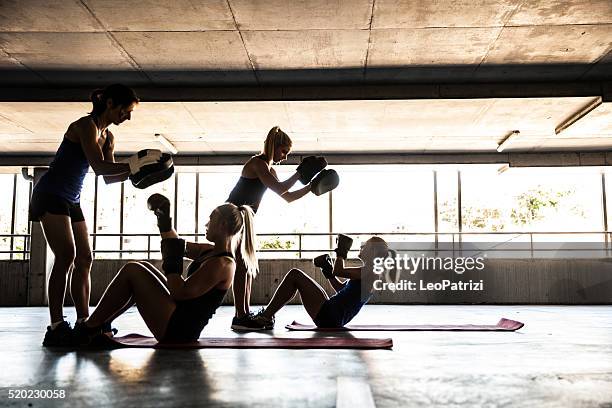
column 248, row 240
column 276, row 137
column 98, row 105
column 121, row 95
column 241, row 228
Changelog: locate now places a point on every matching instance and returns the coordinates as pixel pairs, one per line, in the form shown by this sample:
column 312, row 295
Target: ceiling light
column 166, row 143
column 588, row 108
column 507, row 140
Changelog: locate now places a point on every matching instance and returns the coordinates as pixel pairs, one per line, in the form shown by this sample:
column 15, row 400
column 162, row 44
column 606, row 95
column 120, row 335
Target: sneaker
column 108, row 330
column 99, row 337
column 103, row 341
column 61, row 336
column 246, row 323
column 82, row 334
column 266, row 322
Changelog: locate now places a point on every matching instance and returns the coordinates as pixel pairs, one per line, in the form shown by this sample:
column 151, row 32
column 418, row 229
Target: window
column 137, row 219
column 384, row 198
column 215, row 186
column 309, row 214
column 6, row 214
column 108, row 211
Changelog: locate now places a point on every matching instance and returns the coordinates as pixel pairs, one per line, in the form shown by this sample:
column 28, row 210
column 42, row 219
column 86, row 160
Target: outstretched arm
column 336, row 283
column 268, row 177
column 88, row 136
column 291, row 196
column 160, row 205
column 212, row 273
column 344, row 271
column 108, row 151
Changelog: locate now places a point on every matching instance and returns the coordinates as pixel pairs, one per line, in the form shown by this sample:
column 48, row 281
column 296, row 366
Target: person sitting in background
column 351, row 294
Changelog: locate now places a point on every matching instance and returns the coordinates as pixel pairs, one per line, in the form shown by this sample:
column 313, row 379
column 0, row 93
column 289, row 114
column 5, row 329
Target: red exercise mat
column 137, row 340
column 502, row 325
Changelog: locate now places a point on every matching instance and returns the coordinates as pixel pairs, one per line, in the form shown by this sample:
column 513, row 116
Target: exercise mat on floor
column 502, row 325
column 140, row 341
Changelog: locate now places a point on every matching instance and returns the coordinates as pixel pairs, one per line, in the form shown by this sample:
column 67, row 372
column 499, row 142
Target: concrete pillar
column 37, row 276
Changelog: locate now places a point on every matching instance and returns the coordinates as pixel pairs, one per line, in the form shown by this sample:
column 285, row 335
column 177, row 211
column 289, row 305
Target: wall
column 505, row 281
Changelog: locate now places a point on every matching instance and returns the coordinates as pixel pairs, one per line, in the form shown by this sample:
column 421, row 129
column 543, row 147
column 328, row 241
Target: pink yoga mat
column 502, row 325
column 137, row 340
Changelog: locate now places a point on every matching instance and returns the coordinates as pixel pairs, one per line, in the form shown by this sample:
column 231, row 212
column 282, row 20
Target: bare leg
column 247, row 293
column 151, row 269
column 151, row 296
column 58, row 233
column 131, row 302
column 160, row 275
column 80, row 282
column 312, row 294
column 239, row 288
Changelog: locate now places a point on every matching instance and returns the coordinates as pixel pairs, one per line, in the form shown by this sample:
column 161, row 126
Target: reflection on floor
column 562, row 357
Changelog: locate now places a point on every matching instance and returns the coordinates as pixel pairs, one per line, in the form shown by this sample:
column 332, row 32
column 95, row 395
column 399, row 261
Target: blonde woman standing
column 257, row 176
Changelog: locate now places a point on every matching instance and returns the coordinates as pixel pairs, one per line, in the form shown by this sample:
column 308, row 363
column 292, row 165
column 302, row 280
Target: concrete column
column 37, row 275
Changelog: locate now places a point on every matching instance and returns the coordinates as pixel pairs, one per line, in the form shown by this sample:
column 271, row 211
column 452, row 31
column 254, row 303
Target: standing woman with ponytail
column 175, row 309
column 55, row 202
column 257, row 176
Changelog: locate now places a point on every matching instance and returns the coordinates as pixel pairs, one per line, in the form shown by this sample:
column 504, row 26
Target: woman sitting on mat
column 176, row 309
column 350, row 296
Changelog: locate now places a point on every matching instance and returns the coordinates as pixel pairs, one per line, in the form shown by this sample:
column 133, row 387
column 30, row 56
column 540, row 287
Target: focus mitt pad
column 324, row 182
column 153, row 173
column 309, row 167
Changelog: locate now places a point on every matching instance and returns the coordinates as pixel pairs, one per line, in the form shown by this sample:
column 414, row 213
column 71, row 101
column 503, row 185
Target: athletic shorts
column 182, row 327
column 42, row 203
column 328, row 316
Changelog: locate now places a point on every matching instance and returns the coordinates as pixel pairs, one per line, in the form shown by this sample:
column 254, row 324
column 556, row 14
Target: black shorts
column 182, row 327
column 42, row 203
column 328, row 316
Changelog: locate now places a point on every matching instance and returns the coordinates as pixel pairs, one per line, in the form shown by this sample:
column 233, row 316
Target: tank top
column 199, row 310
column 66, row 172
column 248, row 191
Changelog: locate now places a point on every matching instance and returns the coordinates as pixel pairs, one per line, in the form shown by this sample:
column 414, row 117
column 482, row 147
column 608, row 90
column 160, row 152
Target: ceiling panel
column 459, row 125
column 163, row 15
column 302, row 15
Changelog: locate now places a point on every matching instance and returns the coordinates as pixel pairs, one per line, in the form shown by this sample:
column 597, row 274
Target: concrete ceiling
column 440, row 125
column 260, row 44
column 267, row 42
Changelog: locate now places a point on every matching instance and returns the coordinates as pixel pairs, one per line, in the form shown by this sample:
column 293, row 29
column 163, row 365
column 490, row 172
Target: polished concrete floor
column 561, row 358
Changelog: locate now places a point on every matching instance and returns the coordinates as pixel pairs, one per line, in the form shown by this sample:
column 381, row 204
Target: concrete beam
column 540, row 159
column 324, row 93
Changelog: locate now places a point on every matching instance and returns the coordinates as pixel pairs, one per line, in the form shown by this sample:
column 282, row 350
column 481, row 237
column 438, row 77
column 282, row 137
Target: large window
column 108, row 216
column 14, row 225
column 137, row 219
column 6, row 213
column 382, row 199
column 278, row 219
column 21, row 224
column 528, row 199
column 215, row 186
column 398, row 202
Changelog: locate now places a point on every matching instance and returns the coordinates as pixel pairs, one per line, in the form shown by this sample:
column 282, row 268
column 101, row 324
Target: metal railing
column 298, row 247
column 12, row 241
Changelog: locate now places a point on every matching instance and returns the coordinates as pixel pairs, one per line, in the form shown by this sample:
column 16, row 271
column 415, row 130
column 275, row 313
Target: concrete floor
column 561, row 358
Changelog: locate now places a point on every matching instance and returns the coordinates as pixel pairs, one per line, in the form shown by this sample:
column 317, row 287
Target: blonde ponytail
column 241, row 228
column 248, row 240
column 276, row 137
